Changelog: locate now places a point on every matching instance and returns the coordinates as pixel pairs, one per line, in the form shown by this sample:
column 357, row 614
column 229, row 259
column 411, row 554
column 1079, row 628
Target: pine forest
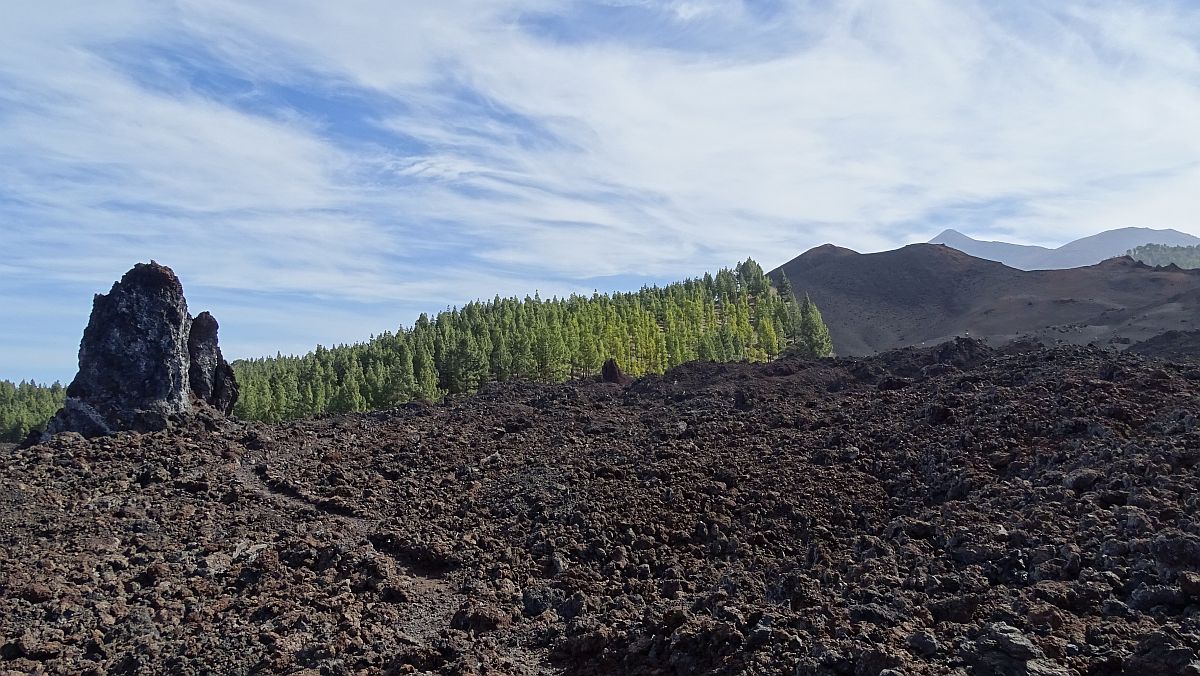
column 735, row 315
column 26, row 406
column 738, row 314
column 1162, row 254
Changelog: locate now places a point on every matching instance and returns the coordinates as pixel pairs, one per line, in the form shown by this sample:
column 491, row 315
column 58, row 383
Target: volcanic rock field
column 958, row 509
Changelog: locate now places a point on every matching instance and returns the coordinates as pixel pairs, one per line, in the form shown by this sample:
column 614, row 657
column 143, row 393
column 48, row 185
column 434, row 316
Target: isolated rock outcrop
column 138, row 357
column 611, row 373
column 211, row 376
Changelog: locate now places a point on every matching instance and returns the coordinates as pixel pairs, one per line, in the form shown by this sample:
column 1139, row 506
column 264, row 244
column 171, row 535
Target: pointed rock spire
column 143, row 361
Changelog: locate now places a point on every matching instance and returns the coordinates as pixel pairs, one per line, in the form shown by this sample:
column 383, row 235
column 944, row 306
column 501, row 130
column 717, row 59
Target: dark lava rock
column 477, row 617
column 611, row 373
column 1150, row 596
column 923, row 643
column 1170, row 345
column 1189, row 582
column 1162, row 653
column 742, row 401
column 583, row 529
column 874, row 613
column 1175, row 551
column 138, row 356
column 211, row 376
column 1081, row 480
column 1005, row 651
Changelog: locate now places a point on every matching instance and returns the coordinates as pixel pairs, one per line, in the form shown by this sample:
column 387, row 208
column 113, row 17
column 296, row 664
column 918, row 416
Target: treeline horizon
column 734, row 315
column 1161, row 255
column 737, row 314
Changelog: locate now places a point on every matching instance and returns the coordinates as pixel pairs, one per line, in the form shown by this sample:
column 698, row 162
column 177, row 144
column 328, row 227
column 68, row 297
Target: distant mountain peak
column 826, row 251
column 927, row 293
column 1082, row 252
column 949, row 233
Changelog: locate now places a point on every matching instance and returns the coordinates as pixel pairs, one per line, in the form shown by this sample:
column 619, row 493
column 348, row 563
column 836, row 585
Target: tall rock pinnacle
column 143, row 360
column 210, row 375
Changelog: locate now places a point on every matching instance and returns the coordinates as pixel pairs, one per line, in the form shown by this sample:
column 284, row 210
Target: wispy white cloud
column 889, row 114
column 367, row 152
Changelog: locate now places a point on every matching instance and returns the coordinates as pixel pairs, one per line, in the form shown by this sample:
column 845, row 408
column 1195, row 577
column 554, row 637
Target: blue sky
column 316, row 172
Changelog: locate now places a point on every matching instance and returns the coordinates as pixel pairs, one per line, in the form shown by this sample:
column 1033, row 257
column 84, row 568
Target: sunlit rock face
column 143, row 361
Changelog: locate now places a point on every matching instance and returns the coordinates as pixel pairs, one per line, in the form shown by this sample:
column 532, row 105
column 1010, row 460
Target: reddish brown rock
column 582, row 528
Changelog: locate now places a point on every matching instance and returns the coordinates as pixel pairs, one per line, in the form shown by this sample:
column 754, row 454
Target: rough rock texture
column 924, row 512
column 133, row 359
column 611, row 372
column 1170, row 345
column 211, row 376
column 136, row 359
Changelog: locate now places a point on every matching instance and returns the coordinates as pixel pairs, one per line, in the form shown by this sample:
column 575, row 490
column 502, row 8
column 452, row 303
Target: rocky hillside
column 948, row 510
column 926, row 293
column 1170, row 345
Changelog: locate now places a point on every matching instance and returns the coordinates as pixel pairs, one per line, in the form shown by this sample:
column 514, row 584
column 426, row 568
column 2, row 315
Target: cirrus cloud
column 349, row 165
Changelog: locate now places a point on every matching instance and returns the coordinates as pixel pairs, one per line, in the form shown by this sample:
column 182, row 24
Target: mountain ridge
column 926, row 293
column 1076, row 253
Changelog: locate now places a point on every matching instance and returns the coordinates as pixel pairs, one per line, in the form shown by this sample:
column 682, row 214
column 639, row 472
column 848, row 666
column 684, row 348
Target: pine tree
column 707, row 349
column 500, row 360
column 743, row 331
column 27, row 406
column 550, row 353
column 751, row 278
column 426, row 376
column 466, row 366
column 814, row 335
column 768, row 339
column 524, row 363
column 785, row 288
column 402, row 381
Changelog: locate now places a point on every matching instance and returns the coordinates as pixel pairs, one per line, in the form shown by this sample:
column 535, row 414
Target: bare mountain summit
column 927, row 293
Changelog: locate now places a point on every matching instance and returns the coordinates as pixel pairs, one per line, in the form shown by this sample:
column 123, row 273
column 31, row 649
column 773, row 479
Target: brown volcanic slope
column 955, row 510
column 1170, row 345
column 927, row 293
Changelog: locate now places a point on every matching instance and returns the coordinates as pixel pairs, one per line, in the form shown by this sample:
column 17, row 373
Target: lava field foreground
column 953, row 510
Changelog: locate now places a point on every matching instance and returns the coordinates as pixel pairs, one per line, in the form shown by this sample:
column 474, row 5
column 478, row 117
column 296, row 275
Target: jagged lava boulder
column 143, row 360
column 611, row 373
column 210, row 376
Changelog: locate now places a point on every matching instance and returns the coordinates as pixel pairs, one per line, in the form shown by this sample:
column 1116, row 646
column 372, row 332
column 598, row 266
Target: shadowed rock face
column 138, row 357
column 211, row 376
column 611, row 373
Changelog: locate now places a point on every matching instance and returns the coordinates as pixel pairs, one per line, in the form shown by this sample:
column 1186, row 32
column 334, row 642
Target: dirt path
column 432, row 598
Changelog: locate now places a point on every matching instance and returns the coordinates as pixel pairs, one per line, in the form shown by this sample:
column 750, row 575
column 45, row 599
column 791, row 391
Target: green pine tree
column 426, row 376
column 814, row 335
